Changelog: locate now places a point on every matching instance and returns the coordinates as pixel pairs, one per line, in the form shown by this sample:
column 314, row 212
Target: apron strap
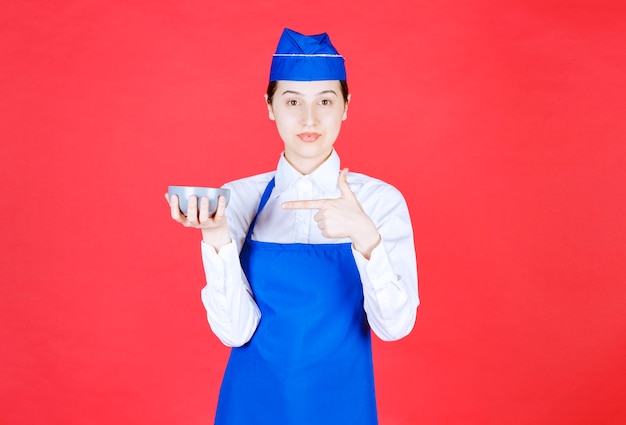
column 264, row 198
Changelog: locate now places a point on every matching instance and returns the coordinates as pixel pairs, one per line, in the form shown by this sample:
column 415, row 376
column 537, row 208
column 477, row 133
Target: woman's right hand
column 214, row 229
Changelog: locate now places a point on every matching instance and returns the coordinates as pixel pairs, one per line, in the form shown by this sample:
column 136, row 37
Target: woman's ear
column 345, row 108
column 269, row 107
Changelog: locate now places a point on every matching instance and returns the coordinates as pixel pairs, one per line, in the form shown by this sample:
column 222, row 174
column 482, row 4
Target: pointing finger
column 304, row 205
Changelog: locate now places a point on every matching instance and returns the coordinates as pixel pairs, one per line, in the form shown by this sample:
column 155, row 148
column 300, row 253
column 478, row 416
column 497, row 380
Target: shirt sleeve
column 389, row 277
column 231, row 310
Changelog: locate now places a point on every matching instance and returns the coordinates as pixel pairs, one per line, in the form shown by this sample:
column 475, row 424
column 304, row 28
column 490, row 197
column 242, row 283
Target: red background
column 501, row 122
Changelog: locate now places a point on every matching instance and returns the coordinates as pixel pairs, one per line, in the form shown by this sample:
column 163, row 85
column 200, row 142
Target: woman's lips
column 308, row 137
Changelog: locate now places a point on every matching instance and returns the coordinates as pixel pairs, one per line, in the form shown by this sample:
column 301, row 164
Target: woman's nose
column 310, row 116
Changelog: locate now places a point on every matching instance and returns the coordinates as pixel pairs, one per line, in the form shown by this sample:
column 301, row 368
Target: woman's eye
column 292, row 102
column 326, row 102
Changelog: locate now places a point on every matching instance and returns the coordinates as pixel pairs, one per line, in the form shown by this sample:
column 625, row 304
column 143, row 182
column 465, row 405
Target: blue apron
column 310, row 359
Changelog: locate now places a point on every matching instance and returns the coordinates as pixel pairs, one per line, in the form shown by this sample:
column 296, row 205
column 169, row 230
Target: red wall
column 501, row 122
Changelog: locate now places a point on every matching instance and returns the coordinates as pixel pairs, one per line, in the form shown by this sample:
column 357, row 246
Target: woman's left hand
column 342, row 217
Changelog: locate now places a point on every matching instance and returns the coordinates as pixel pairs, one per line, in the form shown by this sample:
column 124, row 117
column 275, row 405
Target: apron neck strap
column 264, row 198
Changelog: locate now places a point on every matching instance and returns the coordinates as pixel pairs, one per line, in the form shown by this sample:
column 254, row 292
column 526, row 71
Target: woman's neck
column 306, row 166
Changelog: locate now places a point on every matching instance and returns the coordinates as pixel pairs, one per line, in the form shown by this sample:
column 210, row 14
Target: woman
column 305, row 260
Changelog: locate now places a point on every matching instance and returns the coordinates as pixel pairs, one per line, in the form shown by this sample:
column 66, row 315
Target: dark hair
column 271, row 89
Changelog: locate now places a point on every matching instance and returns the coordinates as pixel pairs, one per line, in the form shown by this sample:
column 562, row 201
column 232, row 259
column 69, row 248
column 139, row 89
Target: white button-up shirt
column 389, row 277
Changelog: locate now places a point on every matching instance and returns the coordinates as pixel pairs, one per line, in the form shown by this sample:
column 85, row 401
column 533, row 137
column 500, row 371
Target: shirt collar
column 325, row 176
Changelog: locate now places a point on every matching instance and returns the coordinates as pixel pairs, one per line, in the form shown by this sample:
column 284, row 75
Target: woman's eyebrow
column 297, row 93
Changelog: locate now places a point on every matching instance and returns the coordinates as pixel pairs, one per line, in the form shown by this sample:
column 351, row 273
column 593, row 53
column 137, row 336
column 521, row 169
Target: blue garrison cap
column 301, row 57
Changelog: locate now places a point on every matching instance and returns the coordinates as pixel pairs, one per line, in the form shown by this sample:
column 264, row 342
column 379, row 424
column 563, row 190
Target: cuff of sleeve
column 377, row 271
column 216, row 264
column 376, row 276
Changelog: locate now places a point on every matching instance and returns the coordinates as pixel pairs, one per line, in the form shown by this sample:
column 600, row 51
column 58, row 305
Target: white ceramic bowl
column 184, row 192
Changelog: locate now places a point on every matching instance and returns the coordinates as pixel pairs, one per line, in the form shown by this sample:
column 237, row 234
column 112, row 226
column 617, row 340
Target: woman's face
column 308, row 116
